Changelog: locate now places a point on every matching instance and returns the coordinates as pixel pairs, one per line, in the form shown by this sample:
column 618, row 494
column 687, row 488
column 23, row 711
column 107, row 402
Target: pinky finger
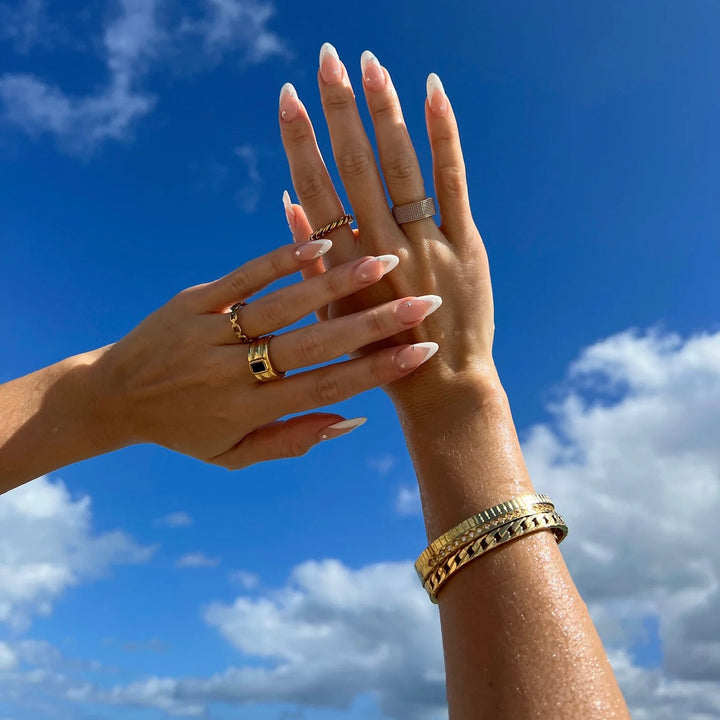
column 286, row 439
column 301, row 231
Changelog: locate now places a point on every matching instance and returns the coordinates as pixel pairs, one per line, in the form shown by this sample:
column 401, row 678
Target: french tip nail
column 287, row 203
column 436, row 301
column 433, row 83
column 428, row 348
column 348, row 424
column 288, row 89
column 390, row 262
column 366, row 58
column 328, row 49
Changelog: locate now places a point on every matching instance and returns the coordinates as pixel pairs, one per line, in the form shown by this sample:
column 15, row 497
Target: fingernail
column 312, row 249
column 415, row 309
column 374, row 268
column 289, row 211
column 415, row 355
column 373, row 74
column 288, row 102
column 330, row 67
column 341, row 428
column 436, row 95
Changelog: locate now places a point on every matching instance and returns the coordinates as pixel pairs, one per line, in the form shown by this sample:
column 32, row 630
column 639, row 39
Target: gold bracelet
column 504, row 534
column 476, row 525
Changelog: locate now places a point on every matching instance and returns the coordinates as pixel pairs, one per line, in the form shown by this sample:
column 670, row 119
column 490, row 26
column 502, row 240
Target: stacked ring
column 236, row 325
column 414, row 211
column 334, row 225
column 259, row 360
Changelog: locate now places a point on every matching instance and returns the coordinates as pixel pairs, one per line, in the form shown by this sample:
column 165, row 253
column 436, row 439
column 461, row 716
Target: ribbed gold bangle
column 504, row 534
column 469, row 529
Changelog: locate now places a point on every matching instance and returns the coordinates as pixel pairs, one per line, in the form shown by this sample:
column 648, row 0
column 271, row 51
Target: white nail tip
column 428, row 348
column 328, row 49
column 288, row 89
column 322, row 246
column 390, row 262
column 348, row 424
column 433, row 84
column 436, row 301
column 287, row 203
column 365, row 58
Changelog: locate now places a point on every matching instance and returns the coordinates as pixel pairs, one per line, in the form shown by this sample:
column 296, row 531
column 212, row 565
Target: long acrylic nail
column 415, row 355
column 312, row 249
column 289, row 211
column 374, row 268
column 289, row 103
column 330, row 66
column 373, row 74
column 436, row 95
column 415, row 309
column 341, row 428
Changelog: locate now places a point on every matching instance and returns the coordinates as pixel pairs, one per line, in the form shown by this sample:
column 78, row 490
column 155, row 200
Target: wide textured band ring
column 236, row 325
column 334, row 225
column 414, row 211
column 259, row 360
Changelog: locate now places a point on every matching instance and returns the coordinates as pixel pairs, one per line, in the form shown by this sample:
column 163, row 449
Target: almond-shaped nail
column 313, row 249
column 341, row 428
column 373, row 74
column 330, row 66
column 415, row 355
column 413, row 310
column 289, row 211
column 373, row 269
column 288, row 102
column 436, row 95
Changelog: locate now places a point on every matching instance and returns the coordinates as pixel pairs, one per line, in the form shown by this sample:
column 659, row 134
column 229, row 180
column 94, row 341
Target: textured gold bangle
column 459, row 535
column 504, row 534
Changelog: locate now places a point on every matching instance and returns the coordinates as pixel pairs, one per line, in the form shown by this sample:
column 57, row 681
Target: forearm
column 49, row 419
column 517, row 636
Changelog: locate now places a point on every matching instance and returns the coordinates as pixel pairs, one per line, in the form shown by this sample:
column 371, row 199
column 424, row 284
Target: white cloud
column 382, row 464
column 47, row 545
column 197, row 560
column 24, row 24
column 8, row 658
column 175, row 520
column 138, row 37
column 408, row 501
column 249, row 195
column 246, row 579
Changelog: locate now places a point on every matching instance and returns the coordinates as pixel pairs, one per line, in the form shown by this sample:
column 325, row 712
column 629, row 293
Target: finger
column 448, row 164
column 286, row 439
column 326, row 341
column 286, row 306
column 340, row 381
column 353, row 152
column 301, row 230
column 256, row 274
column 398, row 160
column 310, row 177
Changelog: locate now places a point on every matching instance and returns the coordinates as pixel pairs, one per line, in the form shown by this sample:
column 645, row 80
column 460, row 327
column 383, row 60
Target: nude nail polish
column 330, row 66
column 373, row 74
column 415, row 355
column 367, row 270
column 436, row 95
column 312, row 249
column 415, row 309
column 289, row 211
column 288, row 102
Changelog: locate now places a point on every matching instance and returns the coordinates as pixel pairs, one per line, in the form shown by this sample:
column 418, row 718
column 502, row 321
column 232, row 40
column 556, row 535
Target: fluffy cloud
column 47, row 545
column 197, row 560
column 175, row 520
column 140, row 35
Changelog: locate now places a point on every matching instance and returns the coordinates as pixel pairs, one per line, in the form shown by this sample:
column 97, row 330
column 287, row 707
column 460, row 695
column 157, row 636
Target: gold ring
column 259, row 360
column 236, row 325
column 414, row 211
column 334, row 225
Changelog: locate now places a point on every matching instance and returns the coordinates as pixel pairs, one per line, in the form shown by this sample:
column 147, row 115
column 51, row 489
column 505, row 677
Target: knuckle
column 335, row 285
column 327, row 391
column 241, row 283
column 335, row 103
column 374, row 321
column 452, row 181
column 273, row 314
column 310, row 186
column 291, row 447
column 312, row 348
column 401, row 166
column 354, row 161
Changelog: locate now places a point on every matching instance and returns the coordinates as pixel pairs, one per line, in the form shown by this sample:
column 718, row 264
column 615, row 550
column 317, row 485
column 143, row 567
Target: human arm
column 181, row 378
column 518, row 639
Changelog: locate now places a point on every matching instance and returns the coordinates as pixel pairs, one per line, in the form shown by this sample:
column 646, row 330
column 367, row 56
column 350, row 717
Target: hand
column 181, row 379
column 449, row 260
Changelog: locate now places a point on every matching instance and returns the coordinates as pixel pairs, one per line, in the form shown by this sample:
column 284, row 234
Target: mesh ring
column 414, row 211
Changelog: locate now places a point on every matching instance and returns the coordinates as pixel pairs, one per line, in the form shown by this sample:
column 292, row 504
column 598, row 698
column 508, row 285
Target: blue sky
column 140, row 154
